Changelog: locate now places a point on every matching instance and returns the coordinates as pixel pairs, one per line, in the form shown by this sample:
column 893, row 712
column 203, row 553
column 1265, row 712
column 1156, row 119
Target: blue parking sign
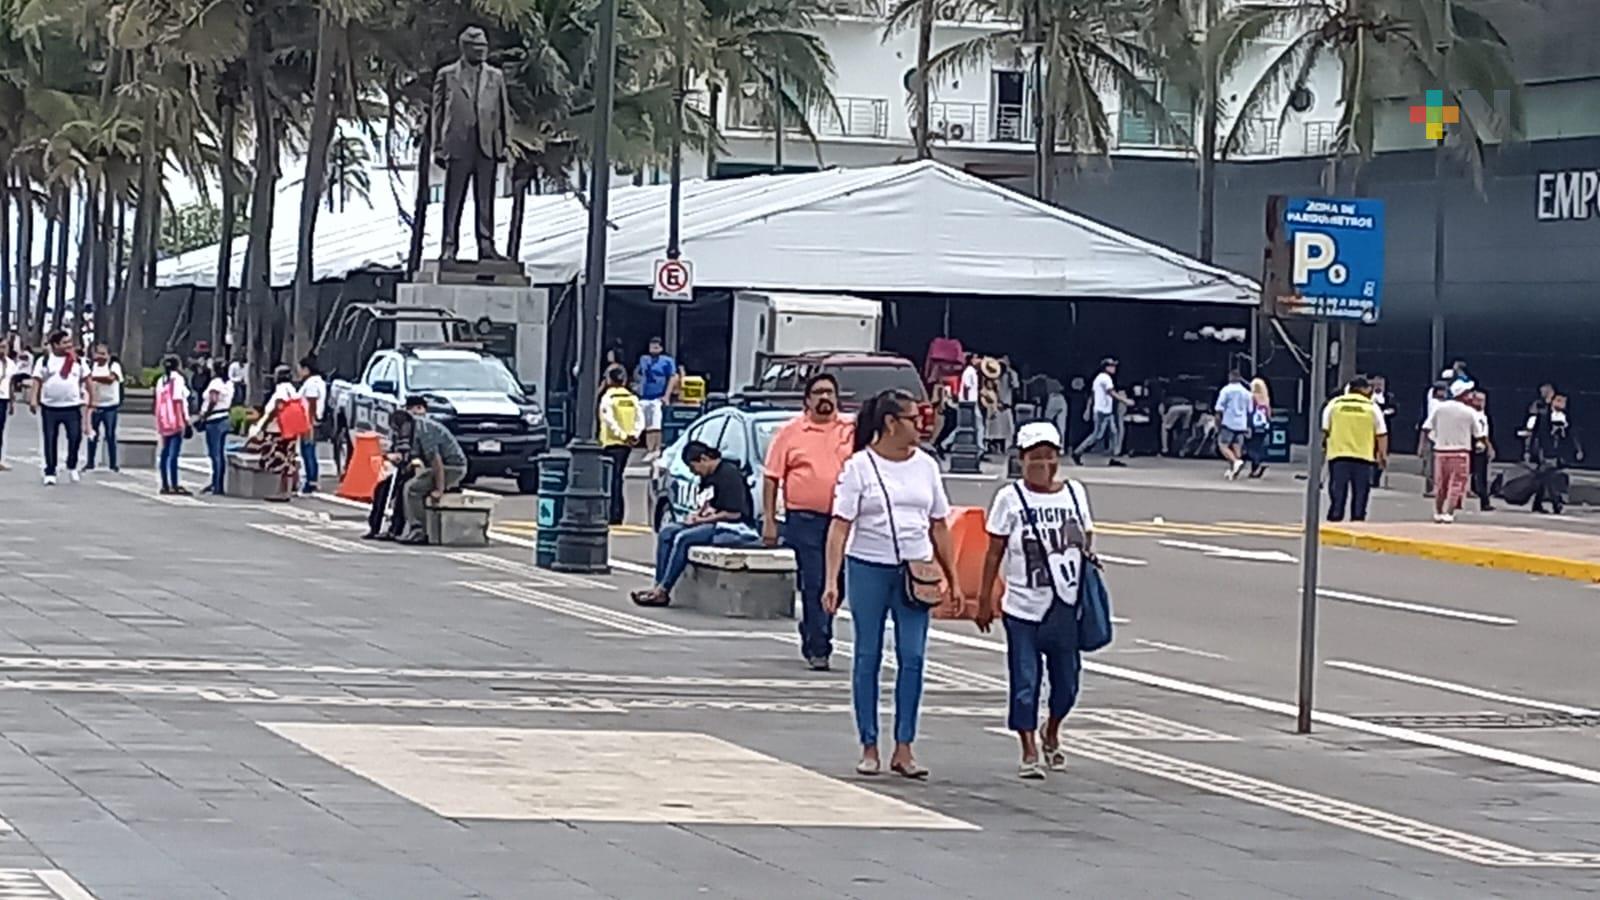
column 1335, row 252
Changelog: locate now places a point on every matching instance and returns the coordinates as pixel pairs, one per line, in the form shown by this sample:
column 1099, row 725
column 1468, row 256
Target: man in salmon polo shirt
column 805, row 459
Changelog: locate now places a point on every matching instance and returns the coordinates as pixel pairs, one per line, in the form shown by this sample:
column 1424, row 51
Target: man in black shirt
column 726, row 518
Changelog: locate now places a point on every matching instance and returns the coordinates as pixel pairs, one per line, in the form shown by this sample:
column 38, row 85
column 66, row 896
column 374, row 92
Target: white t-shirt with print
column 916, row 491
column 107, row 394
column 315, row 388
column 1453, row 425
column 1044, row 557
column 1104, row 403
column 54, row 389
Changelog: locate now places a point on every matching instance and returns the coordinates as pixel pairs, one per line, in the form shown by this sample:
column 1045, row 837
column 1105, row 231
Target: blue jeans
column 104, row 421
column 676, row 540
column 1033, row 648
column 216, row 448
column 1106, row 428
column 171, row 449
column 876, row 593
column 308, row 462
column 806, row 533
column 54, row 420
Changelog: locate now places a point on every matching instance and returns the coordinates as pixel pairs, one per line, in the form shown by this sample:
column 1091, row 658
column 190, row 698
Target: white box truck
column 774, row 323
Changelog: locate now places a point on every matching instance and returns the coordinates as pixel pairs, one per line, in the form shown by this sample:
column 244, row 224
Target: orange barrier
column 362, row 470
column 970, row 541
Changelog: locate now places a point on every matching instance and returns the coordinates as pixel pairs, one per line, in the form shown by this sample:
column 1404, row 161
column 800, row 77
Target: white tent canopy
column 910, row 228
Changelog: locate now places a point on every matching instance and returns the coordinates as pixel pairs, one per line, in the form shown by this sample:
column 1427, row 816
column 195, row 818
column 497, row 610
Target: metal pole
column 1313, row 523
column 777, row 118
column 675, row 200
column 1436, row 354
column 582, row 540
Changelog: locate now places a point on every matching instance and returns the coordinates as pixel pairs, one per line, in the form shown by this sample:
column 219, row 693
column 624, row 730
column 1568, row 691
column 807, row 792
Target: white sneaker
column 49, row 481
column 75, row 476
column 1447, row 518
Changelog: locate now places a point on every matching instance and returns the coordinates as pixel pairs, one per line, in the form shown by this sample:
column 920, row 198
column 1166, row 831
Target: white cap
column 1035, row 433
column 1461, row 387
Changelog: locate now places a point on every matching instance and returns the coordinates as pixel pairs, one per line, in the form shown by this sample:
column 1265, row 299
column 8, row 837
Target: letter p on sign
column 1314, row 253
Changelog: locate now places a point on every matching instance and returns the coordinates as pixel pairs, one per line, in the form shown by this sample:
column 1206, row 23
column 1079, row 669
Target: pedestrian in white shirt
column 1453, row 428
column 971, row 391
column 1041, row 530
column 236, row 376
column 60, row 391
column 1103, row 406
column 314, row 390
column 172, row 421
column 9, row 370
column 1234, row 406
column 216, row 409
column 890, row 540
column 105, row 387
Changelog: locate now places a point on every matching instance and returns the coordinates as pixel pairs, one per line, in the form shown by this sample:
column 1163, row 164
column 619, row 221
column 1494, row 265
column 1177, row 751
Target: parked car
column 861, row 374
column 740, row 434
column 500, row 426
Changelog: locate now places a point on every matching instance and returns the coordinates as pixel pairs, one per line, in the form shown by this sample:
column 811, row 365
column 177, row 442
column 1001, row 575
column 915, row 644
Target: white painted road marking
column 1179, row 648
column 599, row 615
column 1122, row 560
column 1456, row 688
column 1212, row 550
column 318, row 538
column 40, row 884
column 528, row 774
column 1425, row 609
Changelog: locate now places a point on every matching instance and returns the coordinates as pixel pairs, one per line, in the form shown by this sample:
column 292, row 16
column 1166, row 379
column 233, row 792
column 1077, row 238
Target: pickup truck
column 500, row 426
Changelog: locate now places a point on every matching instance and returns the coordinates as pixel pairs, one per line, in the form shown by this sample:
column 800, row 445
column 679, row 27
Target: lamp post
column 582, row 536
column 675, row 198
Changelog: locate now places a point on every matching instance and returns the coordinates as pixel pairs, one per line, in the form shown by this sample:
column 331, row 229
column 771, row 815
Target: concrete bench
column 137, row 451
column 739, row 582
column 459, row 519
column 246, row 480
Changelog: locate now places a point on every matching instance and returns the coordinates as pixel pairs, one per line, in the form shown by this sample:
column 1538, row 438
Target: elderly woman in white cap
column 1040, row 528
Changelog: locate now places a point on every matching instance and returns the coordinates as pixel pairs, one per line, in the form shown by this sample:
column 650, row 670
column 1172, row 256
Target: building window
column 1140, row 126
column 1261, row 137
column 1319, row 137
column 435, row 193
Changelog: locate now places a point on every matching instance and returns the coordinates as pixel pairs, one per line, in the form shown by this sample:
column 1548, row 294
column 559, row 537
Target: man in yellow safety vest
column 620, row 426
column 1357, row 435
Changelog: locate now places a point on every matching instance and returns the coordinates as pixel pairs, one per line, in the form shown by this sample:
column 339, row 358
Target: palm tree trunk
column 258, row 255
column 1208, row 162
column 108, row 317
column 777, row 121
column 24, row 253
column 5, row 251
column 59, row 306
column 419, row 202
column 219, row 294
column 316, row 176
column 924, row 136
column 86, row 253
column 715, row 105
column 134, row 286
column 41, row 307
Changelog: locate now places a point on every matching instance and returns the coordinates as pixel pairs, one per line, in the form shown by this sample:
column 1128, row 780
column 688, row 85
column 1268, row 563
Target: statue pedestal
column 507, row 313
column 502, row 272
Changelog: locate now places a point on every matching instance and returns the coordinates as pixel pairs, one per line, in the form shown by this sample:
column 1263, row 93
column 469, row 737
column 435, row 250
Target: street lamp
column 674, row 203
column 582, row 537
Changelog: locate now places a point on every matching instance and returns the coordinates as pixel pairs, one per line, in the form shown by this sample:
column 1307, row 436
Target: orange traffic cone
column 365, row 466
column 970, row 540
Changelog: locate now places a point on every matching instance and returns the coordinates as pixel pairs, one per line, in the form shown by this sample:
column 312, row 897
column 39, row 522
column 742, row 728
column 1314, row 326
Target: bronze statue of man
column 471, row 119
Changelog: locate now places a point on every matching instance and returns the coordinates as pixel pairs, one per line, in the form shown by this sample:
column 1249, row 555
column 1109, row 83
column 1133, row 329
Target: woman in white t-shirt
column 60, row 390
column 314, row 389
column 1041, row 530
column 889, row 511
column 9, row 370
column 172, row 421
column 216, row 407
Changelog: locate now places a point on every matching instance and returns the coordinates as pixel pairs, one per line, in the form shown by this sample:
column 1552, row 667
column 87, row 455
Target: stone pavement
column 1560, row 553
column 206, row 698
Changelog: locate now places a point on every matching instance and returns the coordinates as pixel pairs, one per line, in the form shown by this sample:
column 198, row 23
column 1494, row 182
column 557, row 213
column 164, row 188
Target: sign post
column 674, row 281
column 1324, row 262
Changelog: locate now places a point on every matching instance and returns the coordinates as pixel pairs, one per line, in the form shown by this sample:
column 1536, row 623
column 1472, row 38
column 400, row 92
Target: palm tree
column 1385, row 49
column 901, row 16
column 1081, row 49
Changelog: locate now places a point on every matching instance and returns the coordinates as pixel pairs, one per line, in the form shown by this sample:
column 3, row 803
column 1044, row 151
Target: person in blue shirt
column 1234, row 405
column 657, row 378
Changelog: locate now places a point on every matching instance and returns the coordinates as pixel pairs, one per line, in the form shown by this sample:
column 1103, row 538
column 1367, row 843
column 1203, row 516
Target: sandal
column 1055, row 758
column 1030, row 770
column 650, row 597
column 869, row 767
column 909, row 770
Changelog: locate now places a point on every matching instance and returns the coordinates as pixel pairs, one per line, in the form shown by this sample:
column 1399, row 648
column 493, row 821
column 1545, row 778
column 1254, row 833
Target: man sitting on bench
column 440, row 465
column 387, row 496
column 726, row 518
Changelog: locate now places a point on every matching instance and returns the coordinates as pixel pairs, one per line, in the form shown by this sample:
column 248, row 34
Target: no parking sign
column 674, row 282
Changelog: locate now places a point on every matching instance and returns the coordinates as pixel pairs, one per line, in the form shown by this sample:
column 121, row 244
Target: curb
column 1462, row 554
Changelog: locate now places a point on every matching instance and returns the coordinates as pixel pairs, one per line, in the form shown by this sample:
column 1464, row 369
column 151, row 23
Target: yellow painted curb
column 1462, row 554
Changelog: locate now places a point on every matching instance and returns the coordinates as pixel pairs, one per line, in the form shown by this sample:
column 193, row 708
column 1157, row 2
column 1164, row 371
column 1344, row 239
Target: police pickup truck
column 500, row 426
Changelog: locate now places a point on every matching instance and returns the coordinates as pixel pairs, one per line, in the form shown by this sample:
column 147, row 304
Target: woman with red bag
column 277, row 436
column 172, row 421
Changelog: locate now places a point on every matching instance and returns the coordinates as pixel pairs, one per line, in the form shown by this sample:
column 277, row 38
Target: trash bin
column 1278, row 437
column 552, row 503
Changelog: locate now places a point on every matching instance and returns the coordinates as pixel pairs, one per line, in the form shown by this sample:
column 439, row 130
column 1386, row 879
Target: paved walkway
column 1560, row 553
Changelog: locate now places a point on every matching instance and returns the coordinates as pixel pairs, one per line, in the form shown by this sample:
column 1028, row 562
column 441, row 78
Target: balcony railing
column 1320, row 137
column 870, row 9
column 1012, row 123
column 1261, row 137
column 957, row 121
column 858, row 117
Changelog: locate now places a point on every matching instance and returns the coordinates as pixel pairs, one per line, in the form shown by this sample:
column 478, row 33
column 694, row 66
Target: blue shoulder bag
column 1094, row 600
